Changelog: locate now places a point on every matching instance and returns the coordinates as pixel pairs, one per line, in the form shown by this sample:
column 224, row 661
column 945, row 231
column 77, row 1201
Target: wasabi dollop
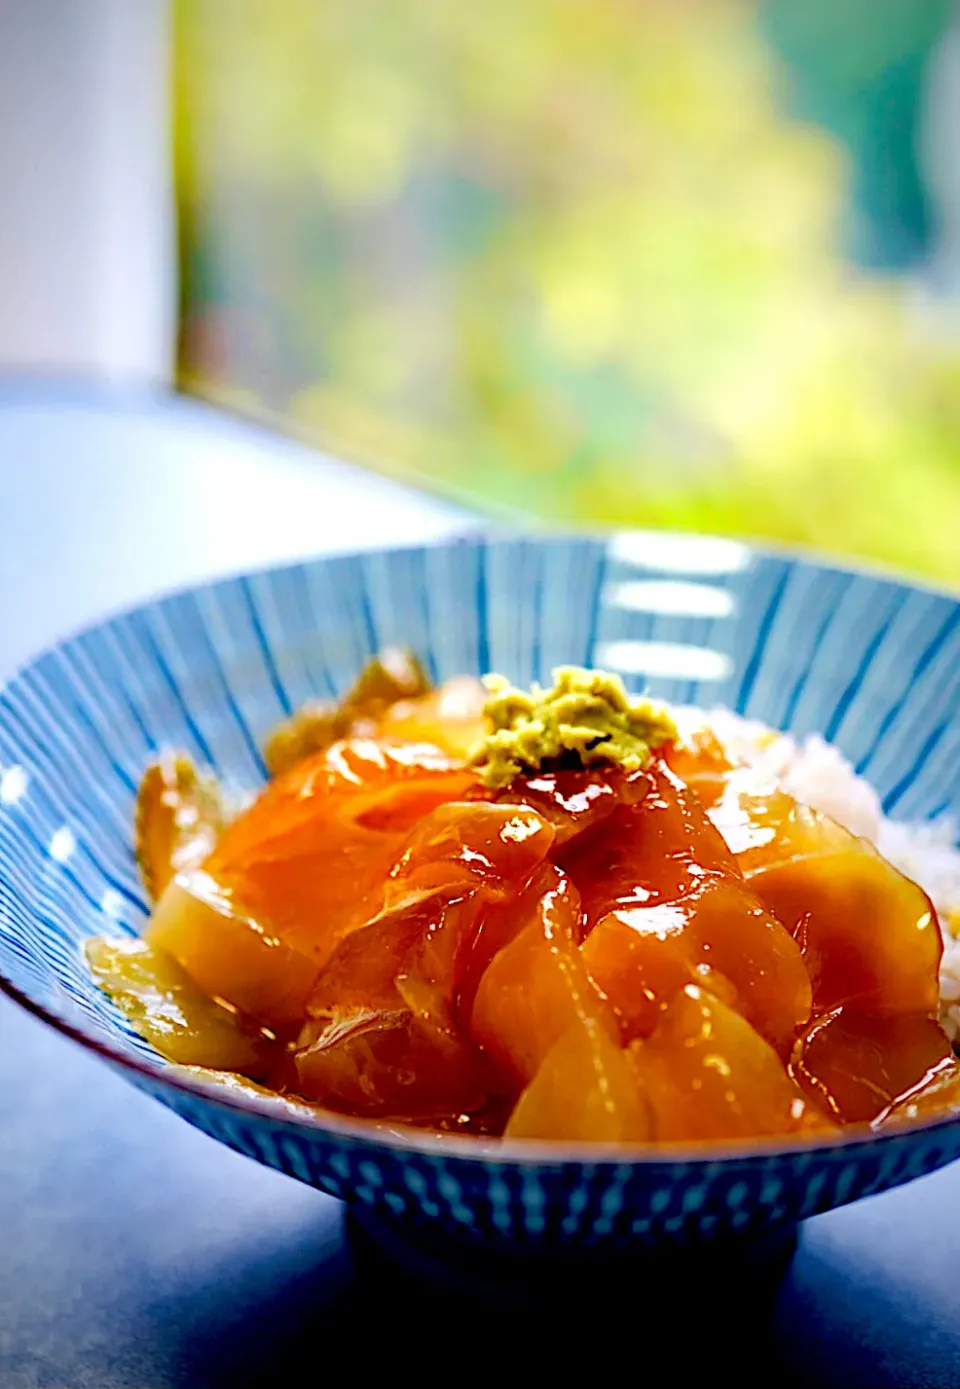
column 587, row 717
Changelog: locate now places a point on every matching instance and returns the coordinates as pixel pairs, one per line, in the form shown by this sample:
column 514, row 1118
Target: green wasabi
column 586, row 718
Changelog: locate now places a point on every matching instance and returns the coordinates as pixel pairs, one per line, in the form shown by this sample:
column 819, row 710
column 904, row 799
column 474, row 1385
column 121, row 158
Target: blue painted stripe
column 536, row 560
column 263, row 647
column 230, row 701
column 366, row 611
column 755, row 659
column 83, row 717
column 149, row 639
column 483, row 638
column 54, row 820
column 42, row 744
column 927, row 747
column 800, row 684
column 860, row 674
column 911, row 681
column 596, row 604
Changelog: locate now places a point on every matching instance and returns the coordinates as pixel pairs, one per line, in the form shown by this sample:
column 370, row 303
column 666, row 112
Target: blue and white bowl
column 871, row 663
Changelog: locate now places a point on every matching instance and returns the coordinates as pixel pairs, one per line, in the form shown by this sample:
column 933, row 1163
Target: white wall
column 87, row 244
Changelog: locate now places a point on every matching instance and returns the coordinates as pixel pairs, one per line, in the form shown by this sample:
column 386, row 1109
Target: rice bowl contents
column 556, row 915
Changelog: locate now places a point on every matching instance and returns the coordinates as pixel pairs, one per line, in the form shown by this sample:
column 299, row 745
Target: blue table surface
column 135, row 1253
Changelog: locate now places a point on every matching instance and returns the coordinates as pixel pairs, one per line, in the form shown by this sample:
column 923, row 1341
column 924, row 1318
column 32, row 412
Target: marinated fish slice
column 388, row 1065
column 383, row 1012
column 310, row 858
column 236, row 1084
column 180, row 816
column 536, row 988
column 296, row 872
column 585, row 1091
column 707, row 1075
column 638, row 972
column 576, row 800
column 856, row 1066
column 698, row 757
column 231, row 954
column 173, row 1013
column 868, row 934
column 393, row 675
column 939, row 1096
column 451, row 716
column 662, row 870
column 655, row 850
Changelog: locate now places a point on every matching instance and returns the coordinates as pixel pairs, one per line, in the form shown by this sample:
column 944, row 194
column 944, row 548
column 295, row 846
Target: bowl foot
column 458, row 1264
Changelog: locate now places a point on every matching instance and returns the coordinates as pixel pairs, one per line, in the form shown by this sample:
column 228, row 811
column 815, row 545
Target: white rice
column 818, row 774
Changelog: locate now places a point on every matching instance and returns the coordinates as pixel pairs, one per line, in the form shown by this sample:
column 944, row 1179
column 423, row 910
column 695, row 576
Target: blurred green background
column 632, row 261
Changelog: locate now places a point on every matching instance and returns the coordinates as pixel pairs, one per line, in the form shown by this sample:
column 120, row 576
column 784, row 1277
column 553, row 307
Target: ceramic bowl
column 871, row 663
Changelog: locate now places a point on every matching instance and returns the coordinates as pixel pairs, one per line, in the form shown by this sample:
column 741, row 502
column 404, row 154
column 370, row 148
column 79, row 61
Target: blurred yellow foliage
column 568, row 257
